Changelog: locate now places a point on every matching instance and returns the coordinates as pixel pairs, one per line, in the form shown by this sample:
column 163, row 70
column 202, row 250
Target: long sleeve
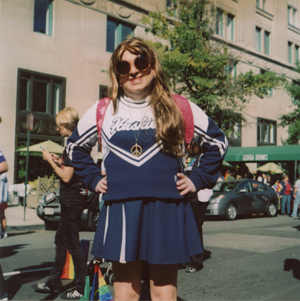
column 79, row 148
column 214, row 145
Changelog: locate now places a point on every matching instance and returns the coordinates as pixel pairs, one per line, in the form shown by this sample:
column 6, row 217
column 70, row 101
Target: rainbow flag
column 226, row 176
column 68, row 271
column 100, row 291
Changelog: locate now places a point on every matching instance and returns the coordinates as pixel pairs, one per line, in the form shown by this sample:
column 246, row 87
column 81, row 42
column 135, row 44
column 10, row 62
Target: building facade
column 55, row 53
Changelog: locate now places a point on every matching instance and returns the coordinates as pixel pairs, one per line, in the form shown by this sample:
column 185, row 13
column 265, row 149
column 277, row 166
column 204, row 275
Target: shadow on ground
column 10, row 250
column 292, row 264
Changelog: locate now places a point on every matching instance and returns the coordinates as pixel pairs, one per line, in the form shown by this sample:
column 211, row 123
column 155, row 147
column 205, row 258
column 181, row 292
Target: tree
column 199, row 66
column 292, row 119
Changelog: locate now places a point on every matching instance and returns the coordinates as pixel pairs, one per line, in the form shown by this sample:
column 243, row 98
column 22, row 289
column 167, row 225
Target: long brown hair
column 169, row 122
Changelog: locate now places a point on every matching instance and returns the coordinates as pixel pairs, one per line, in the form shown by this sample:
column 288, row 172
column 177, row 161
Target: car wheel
column 111, row 279
column 93, row 220
column 231, row 212
column 272, row 210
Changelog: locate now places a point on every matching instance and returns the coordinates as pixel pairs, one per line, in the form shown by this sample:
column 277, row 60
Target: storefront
column 287, row 155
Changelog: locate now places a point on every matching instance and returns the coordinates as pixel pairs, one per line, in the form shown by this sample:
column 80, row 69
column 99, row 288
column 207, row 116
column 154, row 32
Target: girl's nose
column 133, row 69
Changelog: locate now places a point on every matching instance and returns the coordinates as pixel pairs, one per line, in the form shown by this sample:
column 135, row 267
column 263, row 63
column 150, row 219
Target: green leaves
column 292, row 117
column 200, row 67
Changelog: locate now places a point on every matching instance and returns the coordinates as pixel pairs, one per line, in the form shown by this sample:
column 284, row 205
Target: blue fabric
column 153, row 169
column 286, row 201
column 158, row 232
column 296, row 204
column 2, row 158
column 284, row 187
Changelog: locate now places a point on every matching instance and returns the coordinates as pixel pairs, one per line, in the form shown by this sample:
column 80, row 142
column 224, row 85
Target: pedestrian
column 220, row 178
column 145, row 216
column 285, row 193
column 3, row 194
column 296, row 197
column 3, row 206
column 199, row 202
column 264, row 179
column 229, row 176
column 73, row 197
column 269, row 180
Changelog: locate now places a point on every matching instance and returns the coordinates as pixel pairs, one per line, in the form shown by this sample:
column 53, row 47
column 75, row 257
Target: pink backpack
column 180, row 101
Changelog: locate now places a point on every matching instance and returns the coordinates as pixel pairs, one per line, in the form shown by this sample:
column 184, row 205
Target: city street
column 252, row 258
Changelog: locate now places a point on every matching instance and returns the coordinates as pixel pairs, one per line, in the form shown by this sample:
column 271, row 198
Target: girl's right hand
column 101, row 186
column 56, row 158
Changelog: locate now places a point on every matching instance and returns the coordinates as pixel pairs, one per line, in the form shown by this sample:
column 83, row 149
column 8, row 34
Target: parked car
column 233, row 198
column 48, row 210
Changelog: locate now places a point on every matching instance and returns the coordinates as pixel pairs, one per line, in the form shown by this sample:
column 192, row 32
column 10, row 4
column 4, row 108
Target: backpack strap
column 100, row 114
column 187, row 114
column 181, row 102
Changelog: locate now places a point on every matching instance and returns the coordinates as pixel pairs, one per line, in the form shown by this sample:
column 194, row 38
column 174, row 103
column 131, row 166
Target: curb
column 12, row 229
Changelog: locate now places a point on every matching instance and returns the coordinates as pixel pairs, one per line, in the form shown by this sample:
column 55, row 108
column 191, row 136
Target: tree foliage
column 199, row 67
column 292, row 118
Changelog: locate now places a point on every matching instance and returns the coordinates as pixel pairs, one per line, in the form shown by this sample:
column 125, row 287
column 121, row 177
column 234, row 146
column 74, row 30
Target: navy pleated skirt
column 155, row 231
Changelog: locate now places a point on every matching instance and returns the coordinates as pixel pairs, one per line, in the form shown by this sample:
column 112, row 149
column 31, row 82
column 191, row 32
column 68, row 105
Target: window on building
column 219, row 22
column 230, row 27
column 266, row 132
column 234, row 136
column 43, row 16
column 103, row 91
column 44, row 96
column 267, row 42
column 258, row 38
column 296, row 54
column 290, row 52
column 262, row 4
column 231, row 69
column 116, row 32
column 227, row 30
column 171, row 6
column 295, row 93
column 292, row 16
column 234, row 131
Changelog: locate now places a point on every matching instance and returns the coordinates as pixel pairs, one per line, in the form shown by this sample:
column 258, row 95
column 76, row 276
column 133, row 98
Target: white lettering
column 261, row 157
column 248, row 157
column 120, row 124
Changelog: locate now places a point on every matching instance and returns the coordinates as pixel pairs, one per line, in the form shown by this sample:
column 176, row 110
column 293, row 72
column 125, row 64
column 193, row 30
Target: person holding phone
column 73, row 197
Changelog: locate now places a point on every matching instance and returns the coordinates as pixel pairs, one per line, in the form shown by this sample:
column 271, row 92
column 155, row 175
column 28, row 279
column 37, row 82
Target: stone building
column 55, row 53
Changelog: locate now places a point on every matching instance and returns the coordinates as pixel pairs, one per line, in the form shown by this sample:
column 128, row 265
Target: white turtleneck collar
column 134, row 103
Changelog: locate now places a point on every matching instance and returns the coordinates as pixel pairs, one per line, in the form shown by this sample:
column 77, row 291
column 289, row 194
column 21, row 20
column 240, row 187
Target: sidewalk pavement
column 15, row 219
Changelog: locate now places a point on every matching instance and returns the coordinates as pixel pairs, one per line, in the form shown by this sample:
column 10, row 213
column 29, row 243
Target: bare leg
column 3, row 220
column 163, row 282
column 127, row 280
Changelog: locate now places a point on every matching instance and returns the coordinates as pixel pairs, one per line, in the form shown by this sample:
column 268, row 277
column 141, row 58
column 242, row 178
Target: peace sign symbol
column 136, row 150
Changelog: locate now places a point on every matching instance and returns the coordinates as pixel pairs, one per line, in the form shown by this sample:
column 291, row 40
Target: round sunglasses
column 141, row 63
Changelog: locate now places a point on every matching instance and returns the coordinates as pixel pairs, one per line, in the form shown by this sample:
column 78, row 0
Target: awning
column 263, row 153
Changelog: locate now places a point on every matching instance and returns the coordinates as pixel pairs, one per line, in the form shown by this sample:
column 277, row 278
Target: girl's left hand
column 185, row 185
column 47, row 156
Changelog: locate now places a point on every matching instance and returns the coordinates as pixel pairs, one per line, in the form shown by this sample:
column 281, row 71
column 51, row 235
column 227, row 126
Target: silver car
column 233, row 198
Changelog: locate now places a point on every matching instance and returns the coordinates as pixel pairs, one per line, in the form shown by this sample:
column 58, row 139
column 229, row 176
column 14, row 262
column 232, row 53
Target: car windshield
column 225, row 186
